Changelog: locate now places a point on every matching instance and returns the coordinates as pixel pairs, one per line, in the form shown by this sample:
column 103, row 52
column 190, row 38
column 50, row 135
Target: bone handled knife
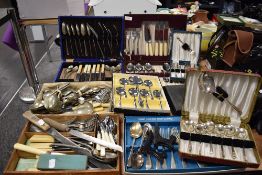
column 93, row 72
column 83, row 75
column 88, row 73
column 97, row 72
column 102, row 72
column 78, row 74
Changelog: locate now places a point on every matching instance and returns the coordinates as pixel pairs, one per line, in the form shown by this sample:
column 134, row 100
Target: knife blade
column 85, row 136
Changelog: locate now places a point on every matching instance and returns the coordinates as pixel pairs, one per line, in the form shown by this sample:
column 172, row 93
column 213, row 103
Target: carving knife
column 81, row 135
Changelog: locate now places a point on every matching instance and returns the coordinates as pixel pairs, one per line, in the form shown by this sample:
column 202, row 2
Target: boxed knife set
column 147, row 42
column 139, row 94
column 61, row 144
column 90, row 48
column 73, row 72
column 214, row 126
column 151, row 146
column 185, row 52
column 73, row 98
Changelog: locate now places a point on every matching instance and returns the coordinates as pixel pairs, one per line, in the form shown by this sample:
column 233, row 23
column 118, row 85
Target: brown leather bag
column 238, row 46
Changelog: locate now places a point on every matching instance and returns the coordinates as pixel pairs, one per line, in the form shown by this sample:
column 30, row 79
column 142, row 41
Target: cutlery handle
column 222, row 152
column 98, row 147
column 29, row 149
column 244, row 154
column 56, row 125
column 147, row 48
column 150, row 46
column 173, row 162
column 156, row 48
column 129, row 163
column 161, row 49
column 165, row 49
column 148, row 162
column 36, row 121
column 233, row 106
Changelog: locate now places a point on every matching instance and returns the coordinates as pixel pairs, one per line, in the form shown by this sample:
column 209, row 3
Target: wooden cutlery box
column 26, row 134
column 211, row 129
column 147, row 39
column 92, row 46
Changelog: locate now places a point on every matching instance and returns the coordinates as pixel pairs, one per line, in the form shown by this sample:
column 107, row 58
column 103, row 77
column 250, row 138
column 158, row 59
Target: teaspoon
column 149, row 84
column 121, row 92
column 144, row 93
column 157, row 94
column 133, row 92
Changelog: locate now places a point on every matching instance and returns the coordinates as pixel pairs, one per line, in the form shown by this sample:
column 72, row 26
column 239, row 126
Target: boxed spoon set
column 139, row 95
column 214, row 125
column 148, row 41
column 151, row 146
column 90, row 48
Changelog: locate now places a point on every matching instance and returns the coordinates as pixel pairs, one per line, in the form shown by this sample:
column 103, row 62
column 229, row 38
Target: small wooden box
column 16, row 154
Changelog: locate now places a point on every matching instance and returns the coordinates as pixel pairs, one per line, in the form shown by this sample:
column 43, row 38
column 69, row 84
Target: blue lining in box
column 163, row 122
column 82, row 60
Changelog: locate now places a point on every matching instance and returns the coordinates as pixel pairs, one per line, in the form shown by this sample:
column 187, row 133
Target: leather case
column 200, row 107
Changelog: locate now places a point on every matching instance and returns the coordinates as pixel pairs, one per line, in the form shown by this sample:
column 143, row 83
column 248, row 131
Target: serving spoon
column 206, row 84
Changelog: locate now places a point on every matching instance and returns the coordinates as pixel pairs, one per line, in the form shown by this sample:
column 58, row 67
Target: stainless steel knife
column 81, row 135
